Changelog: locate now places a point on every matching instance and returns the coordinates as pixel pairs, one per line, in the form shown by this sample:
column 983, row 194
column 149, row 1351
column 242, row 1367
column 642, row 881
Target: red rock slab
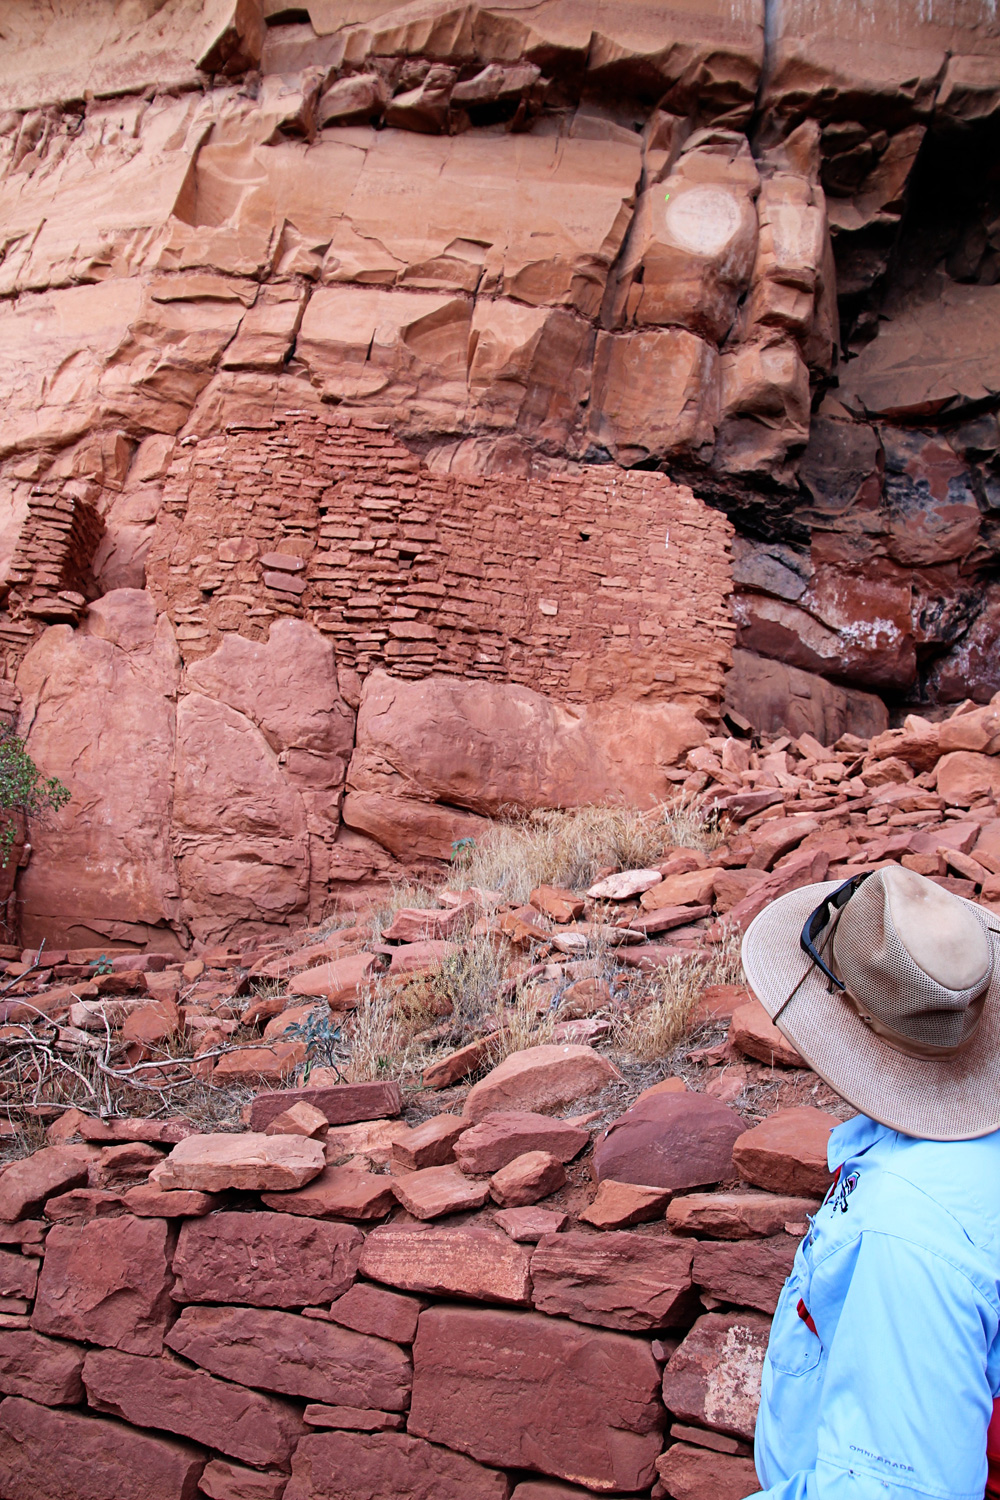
column 616, row 1205
column 25, row 1185
column 964, row 775
column 430, row 1144
column 168, row 1395
column 64, row 1455
column 257, row 1065
column 753, row 1033
column 555, row 902
column 264, row 1260
column 527, row 1226
column 713, row 1377
column 148, row 1201
column 338, row 1193
column 540, row 1078
column 342, row 1104
column 29, row 1234
column 253, row 1163
column 718, row 1002
column 673, row 1141
column 618, row 1280
column 279, row 1351
column 353, row 1419
column 418, row 925
column 546, row 1489
column 222, row 1480
column 500, row 1137
column 750, row 1273
column 373, row 1310
column 691, row 1473
column 703, row 1438
column 787, row 1153
column 470, row 1260
column 437, row 1191
column 737, row 1216
column 804, row 867
column 155, row 1132
column 442, row 1074
column 527, row 1179
column 299, row 1119
column 421, row 958
column 42, row 1369
column 731, row 886
column 372, row 1139
column 693, row 888
column 18, row 1274
column 368, row 1466
column 107, row 1282
column 340, row 981
column 125, row 1163
column 529, row 1392
column 154, row 1022
column 665, row 918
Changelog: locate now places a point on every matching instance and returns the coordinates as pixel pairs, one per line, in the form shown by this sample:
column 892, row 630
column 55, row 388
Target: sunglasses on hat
column 818, row 919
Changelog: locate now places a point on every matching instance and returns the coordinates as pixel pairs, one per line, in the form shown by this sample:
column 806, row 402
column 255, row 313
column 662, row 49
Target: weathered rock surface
column 713, row 1378
column 469, row 1261
column 691, row 1473
column 107, row 1282
column 673, row 1141
column 373, row 1310
column 787, row 1152
column 349, row 1465
column 39, row 1368
column 500, row 1137
column 277, row 1351
column 628, row 1281
column 737, row 1216
column 749, row 1274
column 264, row 1260
column 212, row 1163
column 539, row 1393
column 539, row 1078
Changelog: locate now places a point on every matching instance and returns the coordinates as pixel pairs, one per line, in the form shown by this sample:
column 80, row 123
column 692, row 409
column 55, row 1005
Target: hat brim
column 954, row 1099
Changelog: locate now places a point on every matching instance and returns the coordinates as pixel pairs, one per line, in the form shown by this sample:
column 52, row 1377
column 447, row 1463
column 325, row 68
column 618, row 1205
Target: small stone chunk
column 703, row 1438
column 672, row 1141
column 342, row 1103
column 753, row 1033
column 81, row 1204
column 785, row 1153
column 436, row 1191
column 346, row 1192
column 527, row 1179
column 25, row 1185
column 18, row 1274
column 126, row 1163
column 147, row 1201
column 526, row 1226
column 223, row 1480
column 441, row 1075
column 665, row 1086
column 547, row 1489
column 299, row 1119
column 251, row 1162
column 353, row 1419
column 42, row 1369
column 469, row 1260
column 626, row 1280
column 500, row 1137
column 371, row 1309
column 430, row 1144
column 559, row 904
column 619, row 1204
column 625, row 884
column 736, row 1216
column 691, row 1473
column 540, row 1078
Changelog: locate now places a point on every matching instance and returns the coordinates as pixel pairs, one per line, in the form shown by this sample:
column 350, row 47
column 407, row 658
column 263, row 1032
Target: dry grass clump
column 405, row 894
column 569, row 848
column 520, row 1026
column 662, row 1004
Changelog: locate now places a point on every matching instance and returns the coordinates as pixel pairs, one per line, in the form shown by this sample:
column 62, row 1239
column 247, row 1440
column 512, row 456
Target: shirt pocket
column 793, row 1348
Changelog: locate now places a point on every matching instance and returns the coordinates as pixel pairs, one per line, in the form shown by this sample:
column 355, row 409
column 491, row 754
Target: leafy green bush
column 23, row 789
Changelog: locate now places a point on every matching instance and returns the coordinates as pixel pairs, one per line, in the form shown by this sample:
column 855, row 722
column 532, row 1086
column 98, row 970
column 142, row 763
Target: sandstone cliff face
column 359, row 354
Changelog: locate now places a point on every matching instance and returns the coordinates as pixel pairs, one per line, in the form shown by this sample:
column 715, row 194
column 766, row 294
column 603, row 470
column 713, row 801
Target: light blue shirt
column 900, row 1273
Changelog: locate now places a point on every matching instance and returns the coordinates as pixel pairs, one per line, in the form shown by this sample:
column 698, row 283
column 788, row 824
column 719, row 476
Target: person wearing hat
column 884, row 1356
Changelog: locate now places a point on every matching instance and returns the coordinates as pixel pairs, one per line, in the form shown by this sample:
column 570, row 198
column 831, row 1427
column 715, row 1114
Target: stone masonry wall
column 579, row 581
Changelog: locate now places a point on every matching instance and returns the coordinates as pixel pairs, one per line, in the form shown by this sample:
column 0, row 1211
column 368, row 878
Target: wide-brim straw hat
column 936, row 1097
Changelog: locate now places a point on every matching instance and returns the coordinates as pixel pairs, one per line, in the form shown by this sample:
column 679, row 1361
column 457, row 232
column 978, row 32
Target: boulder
column 341, row 1103
column 264, row 1260
column 530, row 1392
column 627, row 1281
column 670, row 1140
column 26, row 1184
column 107, row 1282
column 39, row 1368
column 540, row 1078
column 66, row 1455
column 777, row 698
column 500, row 1137
column 251, row 1162
column 737, row 1216
column 349, row 1465
column 616, row 1205
column 692, row 1473
column 373, row 1310
column 527, row 1179
column 964, row 775
column 436, row 1191
column 337, row 1193
column 472, row 1260
column 749, row 1273
column 787, row 1153
column 294, row 1356
column 713, row 1377
column 167, row 1394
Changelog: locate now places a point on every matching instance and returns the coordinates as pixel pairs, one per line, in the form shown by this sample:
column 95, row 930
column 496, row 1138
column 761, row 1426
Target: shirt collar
column 854, row 1137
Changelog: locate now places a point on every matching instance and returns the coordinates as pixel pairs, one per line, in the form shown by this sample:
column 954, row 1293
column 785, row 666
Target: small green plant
column 323, row 1041
column 24, row 792
column 462, row 851
column 102, row 965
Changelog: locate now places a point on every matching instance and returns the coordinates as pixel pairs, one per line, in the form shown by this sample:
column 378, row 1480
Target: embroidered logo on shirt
column 841, row 1190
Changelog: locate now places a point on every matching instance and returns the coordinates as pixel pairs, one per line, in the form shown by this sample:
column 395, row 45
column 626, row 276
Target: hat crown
column 914, row 957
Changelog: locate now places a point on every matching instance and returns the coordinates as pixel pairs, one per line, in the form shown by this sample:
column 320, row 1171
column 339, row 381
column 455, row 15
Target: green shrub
column 23, row 789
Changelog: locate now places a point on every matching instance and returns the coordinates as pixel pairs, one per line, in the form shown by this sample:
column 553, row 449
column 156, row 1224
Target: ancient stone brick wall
column 579, row 581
